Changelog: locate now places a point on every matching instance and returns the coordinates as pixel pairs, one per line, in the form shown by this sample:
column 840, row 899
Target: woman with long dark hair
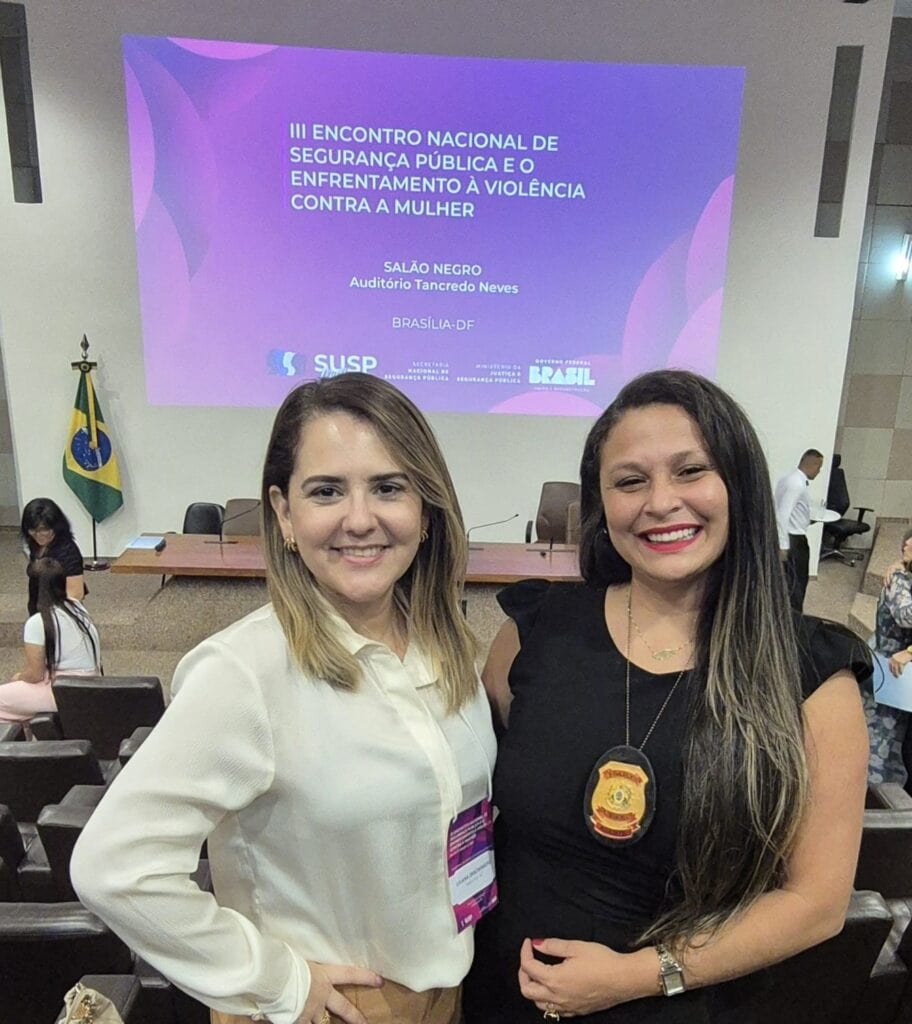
column 59, row 638
column 334, row 748
column 681, row 779
column 46, row 533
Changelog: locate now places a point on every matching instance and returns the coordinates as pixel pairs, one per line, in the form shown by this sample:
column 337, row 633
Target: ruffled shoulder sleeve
column 825, row 648
column 522, row 602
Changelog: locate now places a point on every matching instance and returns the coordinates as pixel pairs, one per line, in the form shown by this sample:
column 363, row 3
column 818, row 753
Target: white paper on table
column 894, row 691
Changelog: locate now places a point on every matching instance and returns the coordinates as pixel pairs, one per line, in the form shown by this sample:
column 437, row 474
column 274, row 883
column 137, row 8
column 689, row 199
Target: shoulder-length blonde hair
column 430, row 591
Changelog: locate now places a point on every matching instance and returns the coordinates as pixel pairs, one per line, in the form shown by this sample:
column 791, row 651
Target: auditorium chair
column 132, row 743
column 29, row 877
column 242, row 517
column 551, row 518
column 7, row 888
column 829, row 983
column 885, row 865
column 43, row 772
column 45, row 948
column 203, row 517
column 59, row 826
column 836, row 534
column 885, row 857
column 106, row 709
column 902, row 934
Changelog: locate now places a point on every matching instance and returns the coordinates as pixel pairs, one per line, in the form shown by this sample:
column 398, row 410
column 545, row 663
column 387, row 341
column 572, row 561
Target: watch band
column 671, row 974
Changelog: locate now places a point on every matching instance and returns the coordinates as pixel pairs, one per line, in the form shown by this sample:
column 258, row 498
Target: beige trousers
column 391, row 1004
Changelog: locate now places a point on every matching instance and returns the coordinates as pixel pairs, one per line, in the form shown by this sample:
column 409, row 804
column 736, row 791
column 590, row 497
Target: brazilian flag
column 89, row 464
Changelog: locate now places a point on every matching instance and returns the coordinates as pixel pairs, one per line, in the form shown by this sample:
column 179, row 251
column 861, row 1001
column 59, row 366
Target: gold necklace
column 627, row 686
column 664, row 653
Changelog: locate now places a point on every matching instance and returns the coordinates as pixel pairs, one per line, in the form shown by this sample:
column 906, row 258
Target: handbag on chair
column 87, row 1006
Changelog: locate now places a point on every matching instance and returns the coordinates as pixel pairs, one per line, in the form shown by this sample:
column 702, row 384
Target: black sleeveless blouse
column 554, row 879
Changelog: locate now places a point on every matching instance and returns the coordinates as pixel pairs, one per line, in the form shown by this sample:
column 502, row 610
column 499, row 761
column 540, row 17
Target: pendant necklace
column 664, row 653
column 620, row 799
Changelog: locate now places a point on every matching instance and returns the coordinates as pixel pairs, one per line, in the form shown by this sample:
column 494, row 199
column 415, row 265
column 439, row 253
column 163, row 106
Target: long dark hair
column 52, row 596
column 44, row 512
column 429, row 593
column 745, row 772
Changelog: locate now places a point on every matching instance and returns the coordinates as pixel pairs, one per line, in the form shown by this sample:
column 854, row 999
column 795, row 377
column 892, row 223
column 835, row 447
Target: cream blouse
column 326, row 813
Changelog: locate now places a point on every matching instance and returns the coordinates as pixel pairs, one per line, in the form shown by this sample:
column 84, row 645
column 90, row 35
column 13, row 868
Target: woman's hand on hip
column 589, row 977
column 899, row 661
column 323, row 997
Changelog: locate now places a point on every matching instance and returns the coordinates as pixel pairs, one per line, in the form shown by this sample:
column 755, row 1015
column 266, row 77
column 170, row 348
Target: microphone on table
column 484, row 526
column 228, row 519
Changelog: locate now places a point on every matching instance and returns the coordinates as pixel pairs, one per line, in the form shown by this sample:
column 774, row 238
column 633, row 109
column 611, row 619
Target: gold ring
column 551, row 1012
column 325, row 1019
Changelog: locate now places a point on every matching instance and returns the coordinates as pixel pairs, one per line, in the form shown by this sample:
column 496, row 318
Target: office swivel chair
column 836, row 534
column 203, row 517
column 242, row 517
column 551, row 518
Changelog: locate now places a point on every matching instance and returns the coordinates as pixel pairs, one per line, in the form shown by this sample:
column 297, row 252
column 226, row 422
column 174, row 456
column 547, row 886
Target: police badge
column 620, row 796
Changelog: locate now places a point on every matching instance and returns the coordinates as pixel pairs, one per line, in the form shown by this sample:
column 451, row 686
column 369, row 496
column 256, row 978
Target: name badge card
column 470, row 864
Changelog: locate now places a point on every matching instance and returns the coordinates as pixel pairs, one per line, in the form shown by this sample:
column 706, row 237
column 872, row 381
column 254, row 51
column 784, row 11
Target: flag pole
column 95, row 564
column 85, row 366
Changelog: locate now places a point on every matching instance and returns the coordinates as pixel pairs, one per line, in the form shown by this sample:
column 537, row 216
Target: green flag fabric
column 89, row 464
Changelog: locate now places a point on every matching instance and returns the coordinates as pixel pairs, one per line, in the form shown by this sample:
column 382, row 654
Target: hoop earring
column 291, row 545
column 423, row 536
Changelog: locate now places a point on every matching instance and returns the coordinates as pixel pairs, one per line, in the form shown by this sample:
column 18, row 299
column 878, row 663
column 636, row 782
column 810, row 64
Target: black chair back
column 59, row 826
column 42, row 772
column 825, row 984
column 45, row 948
column 106, row 709
column 838, row 491
column 885, row 857
column 8, row 888
column 203, row 517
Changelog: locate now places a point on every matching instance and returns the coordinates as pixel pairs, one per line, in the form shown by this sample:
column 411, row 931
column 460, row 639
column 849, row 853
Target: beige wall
column 9, row 495
column 875, row 420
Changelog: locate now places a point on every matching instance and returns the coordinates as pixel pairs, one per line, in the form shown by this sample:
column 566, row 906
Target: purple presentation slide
column 492, row 236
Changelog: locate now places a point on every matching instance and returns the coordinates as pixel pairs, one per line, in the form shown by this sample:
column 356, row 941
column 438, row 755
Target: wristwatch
column 671, row 974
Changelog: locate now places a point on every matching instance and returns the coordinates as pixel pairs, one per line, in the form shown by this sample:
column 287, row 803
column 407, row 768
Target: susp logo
column 331, row 365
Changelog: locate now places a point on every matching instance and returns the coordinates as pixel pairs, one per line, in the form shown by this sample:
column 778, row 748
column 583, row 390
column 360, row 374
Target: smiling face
column 43, row 536
column 354, row 514
column 666, row 507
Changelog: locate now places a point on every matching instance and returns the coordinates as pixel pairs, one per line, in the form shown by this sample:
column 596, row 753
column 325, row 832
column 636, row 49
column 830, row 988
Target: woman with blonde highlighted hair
column 334, row 749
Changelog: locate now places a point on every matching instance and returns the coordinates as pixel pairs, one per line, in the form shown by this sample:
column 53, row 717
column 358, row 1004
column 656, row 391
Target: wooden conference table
column 189, row 554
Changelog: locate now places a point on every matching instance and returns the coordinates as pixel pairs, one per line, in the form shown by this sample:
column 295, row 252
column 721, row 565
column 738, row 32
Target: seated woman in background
column 47, row 533
column 334, row 747
column 681, row 779
column 60, row 638
column 892, row 638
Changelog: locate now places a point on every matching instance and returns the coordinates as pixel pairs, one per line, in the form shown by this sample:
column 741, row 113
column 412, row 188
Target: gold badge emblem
column 619, row 800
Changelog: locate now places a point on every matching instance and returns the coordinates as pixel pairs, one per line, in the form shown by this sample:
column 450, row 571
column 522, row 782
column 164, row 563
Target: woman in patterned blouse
column 892, row 638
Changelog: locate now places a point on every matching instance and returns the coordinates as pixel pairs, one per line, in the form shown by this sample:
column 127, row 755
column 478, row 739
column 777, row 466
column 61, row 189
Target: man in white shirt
column 793, row 517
